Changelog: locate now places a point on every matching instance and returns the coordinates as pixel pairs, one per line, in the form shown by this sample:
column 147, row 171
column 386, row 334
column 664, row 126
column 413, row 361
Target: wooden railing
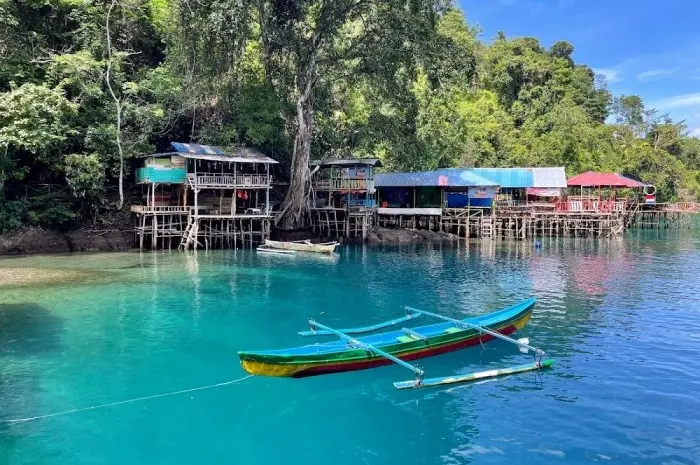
column 160, row 209
column 471, row 212
column 510, row 203
column 591, row 206
column 343, row 184
column 689, row 207
column 229, row 180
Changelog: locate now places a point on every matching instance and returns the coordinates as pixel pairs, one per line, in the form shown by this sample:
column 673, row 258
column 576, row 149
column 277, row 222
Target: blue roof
column 197, row 148
column 453, row 177
column 514, row 178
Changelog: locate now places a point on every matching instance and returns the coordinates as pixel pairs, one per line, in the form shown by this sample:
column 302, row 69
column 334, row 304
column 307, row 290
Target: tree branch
column 117, row 103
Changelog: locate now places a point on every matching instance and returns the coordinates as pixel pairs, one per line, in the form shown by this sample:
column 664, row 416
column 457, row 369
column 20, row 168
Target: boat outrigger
column 400, row 347
column 302, row 246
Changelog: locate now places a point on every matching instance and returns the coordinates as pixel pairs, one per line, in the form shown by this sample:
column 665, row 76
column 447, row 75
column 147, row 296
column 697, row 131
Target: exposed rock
column 378, row 235
column 375, row 235
column 112, row 231
column 33, row 240
column 295, row 235
column 87, row 241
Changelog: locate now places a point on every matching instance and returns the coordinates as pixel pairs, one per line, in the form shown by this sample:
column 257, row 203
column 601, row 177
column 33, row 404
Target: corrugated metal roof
column 595, row 179
column 549, row 177
column 509, row 178
column 212, row 153
column 348, row 162
column 229, row 158
column 454, row 177
column 513, row 178
column 196, row 148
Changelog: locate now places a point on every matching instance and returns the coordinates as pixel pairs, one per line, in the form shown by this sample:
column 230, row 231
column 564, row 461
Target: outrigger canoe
column 302, row 246
column 349, row 353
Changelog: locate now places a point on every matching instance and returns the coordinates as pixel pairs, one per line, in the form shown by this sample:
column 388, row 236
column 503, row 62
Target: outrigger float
column 400, row 347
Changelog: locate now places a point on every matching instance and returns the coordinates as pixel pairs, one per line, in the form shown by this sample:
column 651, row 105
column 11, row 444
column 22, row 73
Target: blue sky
column 643, row 47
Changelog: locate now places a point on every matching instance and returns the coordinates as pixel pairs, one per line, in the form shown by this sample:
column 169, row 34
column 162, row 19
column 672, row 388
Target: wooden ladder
column 487, row 226
column 189, row 235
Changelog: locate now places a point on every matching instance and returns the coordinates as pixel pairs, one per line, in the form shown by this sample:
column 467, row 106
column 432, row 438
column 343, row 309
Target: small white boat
column 302, row 246
column 275, row 251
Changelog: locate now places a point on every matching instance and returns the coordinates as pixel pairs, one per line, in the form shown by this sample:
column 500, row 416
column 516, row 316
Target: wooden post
column 267, row 189
column 143, row 230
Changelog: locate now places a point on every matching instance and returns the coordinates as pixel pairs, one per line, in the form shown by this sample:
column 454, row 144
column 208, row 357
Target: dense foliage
column 408, row 81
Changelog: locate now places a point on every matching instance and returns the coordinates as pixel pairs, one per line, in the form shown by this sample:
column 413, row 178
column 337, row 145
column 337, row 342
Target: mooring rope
column 128, row 401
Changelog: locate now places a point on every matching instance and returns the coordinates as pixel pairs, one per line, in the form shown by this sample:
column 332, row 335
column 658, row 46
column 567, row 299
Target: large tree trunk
column 294, row 212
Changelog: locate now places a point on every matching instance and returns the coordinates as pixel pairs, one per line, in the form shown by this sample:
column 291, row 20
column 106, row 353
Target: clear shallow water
column 621, row 318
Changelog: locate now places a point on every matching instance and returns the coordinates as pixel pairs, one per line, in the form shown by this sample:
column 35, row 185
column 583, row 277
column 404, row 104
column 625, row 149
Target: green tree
column 34, row 122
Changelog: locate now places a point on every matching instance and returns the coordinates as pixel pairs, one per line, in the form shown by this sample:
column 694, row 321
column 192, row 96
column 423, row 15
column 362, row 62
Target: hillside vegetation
column 86, row 86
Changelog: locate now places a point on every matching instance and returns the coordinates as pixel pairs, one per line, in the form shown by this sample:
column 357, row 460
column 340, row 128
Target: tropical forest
column 88, row 86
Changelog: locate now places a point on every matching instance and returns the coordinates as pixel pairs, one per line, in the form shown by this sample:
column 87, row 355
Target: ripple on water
column 619, row 317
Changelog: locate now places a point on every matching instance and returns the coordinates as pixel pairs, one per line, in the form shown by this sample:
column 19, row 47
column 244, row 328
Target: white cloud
column 655, row 73
column 678, row 101
column 695, row 132
column 611, row 75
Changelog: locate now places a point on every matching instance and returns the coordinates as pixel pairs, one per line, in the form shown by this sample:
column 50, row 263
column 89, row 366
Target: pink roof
column 595, row 179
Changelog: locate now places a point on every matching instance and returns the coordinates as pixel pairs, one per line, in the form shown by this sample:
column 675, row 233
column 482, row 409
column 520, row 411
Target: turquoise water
column 621, row 318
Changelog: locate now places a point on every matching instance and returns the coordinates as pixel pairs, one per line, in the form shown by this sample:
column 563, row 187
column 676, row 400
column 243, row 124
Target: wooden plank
column 414, row 334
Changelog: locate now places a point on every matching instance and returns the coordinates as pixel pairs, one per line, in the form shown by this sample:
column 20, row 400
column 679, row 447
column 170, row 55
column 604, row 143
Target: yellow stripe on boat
column 259, row 368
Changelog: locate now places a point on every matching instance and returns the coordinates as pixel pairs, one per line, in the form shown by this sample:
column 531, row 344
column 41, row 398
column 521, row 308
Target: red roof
column 595, row 179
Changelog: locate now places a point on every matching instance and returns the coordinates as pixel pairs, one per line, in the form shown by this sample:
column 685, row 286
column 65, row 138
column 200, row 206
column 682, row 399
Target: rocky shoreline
column 36, row 240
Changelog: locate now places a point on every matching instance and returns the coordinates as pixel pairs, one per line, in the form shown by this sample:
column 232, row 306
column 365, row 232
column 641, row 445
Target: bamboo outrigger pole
column 538, row 352
column 361, row 329
column 417, row 371
column 445, row 380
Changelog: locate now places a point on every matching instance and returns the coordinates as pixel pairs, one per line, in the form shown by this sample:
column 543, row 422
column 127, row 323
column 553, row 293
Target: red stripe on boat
column 340, row 367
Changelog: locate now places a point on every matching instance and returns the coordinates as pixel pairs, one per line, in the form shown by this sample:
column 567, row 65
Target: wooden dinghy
column 270, row 250
column 400, row 347
column 302, row 246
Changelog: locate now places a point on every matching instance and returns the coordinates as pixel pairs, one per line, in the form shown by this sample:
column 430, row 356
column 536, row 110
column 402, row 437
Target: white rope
column 137, row 399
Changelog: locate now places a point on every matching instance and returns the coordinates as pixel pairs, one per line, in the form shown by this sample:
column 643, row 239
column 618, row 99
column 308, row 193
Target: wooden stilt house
column 450, row 200
column 344, row 196
column 200, row 196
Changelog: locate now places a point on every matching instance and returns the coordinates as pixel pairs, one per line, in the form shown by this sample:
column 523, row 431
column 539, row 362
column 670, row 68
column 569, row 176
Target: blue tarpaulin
column 456, row 199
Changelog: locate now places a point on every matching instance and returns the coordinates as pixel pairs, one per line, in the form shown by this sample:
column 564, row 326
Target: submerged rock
column 25, row 276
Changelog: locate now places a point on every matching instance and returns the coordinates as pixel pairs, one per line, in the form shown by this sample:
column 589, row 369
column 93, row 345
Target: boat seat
column 411, row 336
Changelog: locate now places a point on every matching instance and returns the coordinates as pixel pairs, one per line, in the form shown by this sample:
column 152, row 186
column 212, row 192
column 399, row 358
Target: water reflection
column 619, row 317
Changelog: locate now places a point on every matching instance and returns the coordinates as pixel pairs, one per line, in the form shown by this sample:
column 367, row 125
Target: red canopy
column 595, row 179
